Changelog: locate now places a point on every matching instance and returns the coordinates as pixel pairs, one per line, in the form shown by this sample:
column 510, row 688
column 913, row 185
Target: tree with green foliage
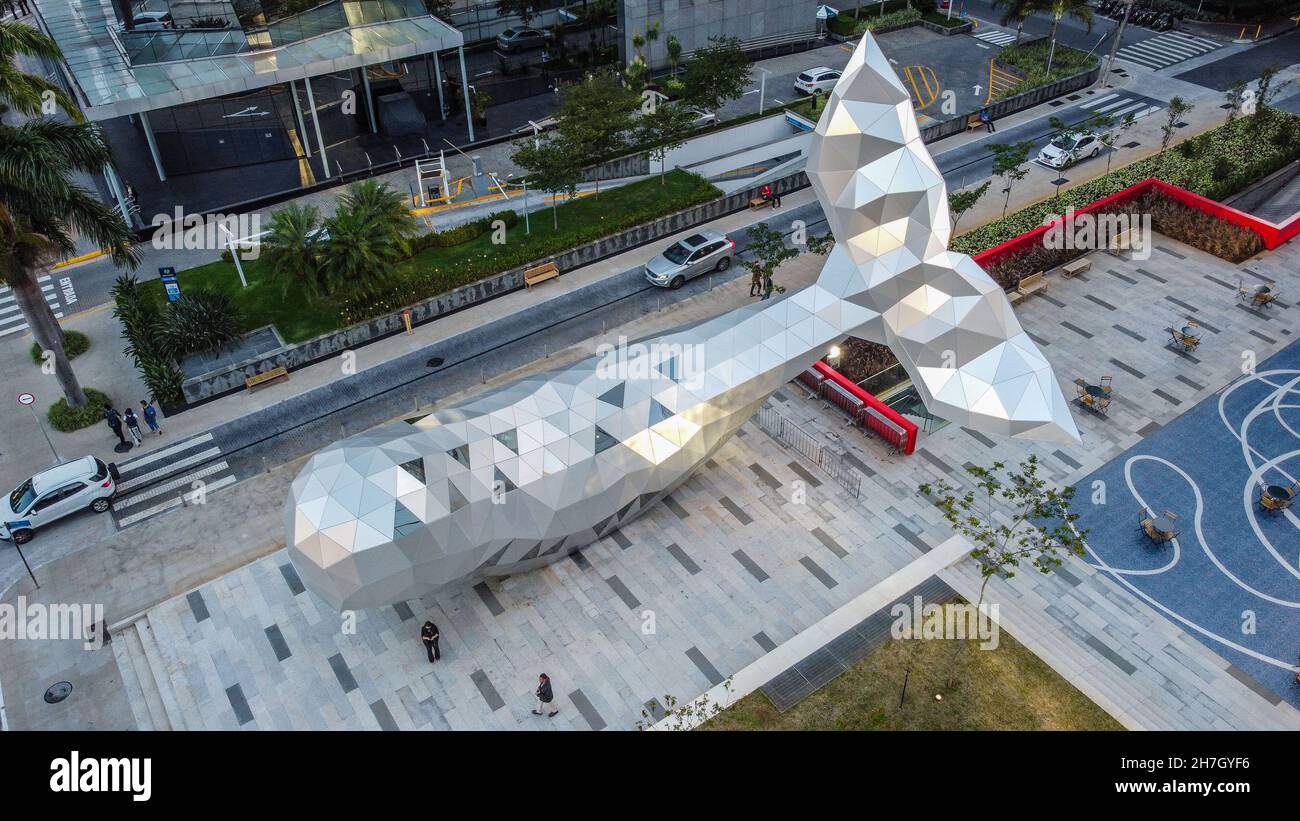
column 1078, row 9
column 42, row 211
column 959, row 202
column 1113, row 136
column 768, row 250
column 525, row 10
column 1009, row 163
column 1177, row 108
column 369, row 234
column 1011, row 516
column 441, row 9
column 291, row 249
column 1234, row 97
column 715, row 74
column 674, row 47
column 144, row 327
column 553, row 165
column 595, row 116
column 665, row 127
column 1017, row 12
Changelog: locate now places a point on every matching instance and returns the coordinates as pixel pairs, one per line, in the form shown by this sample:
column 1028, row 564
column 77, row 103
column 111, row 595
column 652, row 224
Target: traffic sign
column 170, row 283
column 26, row 399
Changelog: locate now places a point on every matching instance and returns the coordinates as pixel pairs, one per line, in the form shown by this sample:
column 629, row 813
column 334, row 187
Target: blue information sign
column 170, row 283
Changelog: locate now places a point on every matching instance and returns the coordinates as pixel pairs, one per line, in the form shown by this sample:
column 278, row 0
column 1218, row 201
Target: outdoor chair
column 1079, row 387
column 1264, row 300
column 1105, row 383
column 1101, row 405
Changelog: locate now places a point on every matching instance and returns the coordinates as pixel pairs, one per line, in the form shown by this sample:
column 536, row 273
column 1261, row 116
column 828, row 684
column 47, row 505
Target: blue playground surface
column 1231, row 578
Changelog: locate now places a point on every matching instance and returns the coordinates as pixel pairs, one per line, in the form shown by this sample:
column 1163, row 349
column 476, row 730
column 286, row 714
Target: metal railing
column 806, row 445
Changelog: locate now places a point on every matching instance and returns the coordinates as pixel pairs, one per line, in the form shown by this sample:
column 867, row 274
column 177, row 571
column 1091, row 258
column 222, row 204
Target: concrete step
column 159, row 675
column 141, row 691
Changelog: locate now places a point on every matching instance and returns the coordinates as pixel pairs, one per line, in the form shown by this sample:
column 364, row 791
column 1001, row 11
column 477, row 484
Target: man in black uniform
column 429, row 635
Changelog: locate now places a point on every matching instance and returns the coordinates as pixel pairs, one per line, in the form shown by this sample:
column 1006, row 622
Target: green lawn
column 1004, row 689
column 436, row 270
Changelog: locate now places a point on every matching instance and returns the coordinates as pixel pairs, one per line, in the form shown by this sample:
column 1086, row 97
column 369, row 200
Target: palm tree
column 1017, row 11
column 368, row 235
column 40, row 208
column 1078, row 9
column 292, row 246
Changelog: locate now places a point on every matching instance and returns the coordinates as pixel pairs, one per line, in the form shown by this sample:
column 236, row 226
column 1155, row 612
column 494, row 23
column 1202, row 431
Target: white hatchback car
column 50, row 495
column 817, row 80
column 1067, row 149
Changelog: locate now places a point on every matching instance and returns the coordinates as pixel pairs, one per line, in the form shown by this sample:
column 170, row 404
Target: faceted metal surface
column 523, row 475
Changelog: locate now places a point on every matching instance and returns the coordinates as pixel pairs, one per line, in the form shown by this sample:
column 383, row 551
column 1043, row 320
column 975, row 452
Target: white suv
column 52, row 494
column 817, row 80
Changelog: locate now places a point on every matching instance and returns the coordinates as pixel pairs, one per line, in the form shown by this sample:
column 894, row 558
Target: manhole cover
column 436, row 362
column 58, row 692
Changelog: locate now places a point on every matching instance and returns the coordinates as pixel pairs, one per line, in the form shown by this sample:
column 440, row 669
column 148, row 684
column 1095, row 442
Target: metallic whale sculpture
column 523, row 475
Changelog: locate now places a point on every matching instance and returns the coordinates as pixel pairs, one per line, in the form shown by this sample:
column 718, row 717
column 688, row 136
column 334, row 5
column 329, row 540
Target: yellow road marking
column 305, row 175
column 75, row 260
column 924, row 75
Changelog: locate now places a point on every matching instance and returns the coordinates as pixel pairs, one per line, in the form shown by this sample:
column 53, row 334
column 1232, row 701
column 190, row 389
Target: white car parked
column 817, row 80
column 1067, row 149
column 52, row 494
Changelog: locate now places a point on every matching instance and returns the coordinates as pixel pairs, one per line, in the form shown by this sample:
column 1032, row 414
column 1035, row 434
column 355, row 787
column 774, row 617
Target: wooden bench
column 973, row 122
column 1075, row 266
column 541, row 273
column 1121, row 242
column 758, row 202
column 265, row 378
column 1028, row 285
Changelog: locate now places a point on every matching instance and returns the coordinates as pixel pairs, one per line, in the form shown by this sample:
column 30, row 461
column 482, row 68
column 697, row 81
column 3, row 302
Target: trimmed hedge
column 463, row 233
column 1030, row 60
column 65, row 419
column 1227, row 159
column 75, row 343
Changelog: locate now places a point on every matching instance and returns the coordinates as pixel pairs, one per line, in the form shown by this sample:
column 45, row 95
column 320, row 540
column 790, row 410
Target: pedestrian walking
column 133, row 425
column 429, row 635
column 767, row 286
column 114, row 423
column 755, row 283
column 150, row 414
column 987, row 119
column 545, row 695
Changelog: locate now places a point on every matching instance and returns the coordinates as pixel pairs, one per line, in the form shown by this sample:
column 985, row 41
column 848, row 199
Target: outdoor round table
column 1165, row 526
column 1282, row 494
column 1262, row 289
column 1095, row 391
column 1188, row 330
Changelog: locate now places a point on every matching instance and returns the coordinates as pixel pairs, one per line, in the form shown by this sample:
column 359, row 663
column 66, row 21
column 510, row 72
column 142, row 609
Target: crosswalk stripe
column 127, row 467
column 157, row 490
column 996, row 37
column 1105, row 108
column 1119, row 113
column 210, row 453
column 171, row 503
column 1166, row 50
column 1100, row 100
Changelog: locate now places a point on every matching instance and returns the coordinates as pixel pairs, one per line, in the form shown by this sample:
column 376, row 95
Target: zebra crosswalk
column 175, row 475
column 1119, row 105
column 997, row 37
column 12, row 320
column 1166, row 49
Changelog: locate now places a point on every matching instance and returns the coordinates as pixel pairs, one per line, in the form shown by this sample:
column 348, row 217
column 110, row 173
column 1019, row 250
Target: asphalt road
column 1070, row 32
column 1246, row 65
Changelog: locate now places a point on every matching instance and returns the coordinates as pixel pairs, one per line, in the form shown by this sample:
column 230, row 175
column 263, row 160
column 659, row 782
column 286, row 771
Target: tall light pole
column 1119, row 35
column 762, row 88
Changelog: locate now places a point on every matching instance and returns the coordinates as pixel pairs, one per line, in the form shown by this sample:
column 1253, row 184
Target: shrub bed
column 1030, row 61
column 1227, row 159
column 860, row 359
column 845, row 24
column 463, row 233
column 65, row 419
column 75, row 343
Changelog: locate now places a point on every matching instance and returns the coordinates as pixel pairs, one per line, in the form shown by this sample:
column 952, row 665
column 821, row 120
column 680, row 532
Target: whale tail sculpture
column 525, row 474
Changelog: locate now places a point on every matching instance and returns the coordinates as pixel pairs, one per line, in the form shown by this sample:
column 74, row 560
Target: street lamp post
column 762, row 88
column 1119, row 35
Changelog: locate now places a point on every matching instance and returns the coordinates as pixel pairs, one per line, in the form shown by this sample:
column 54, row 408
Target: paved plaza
column 734, row 566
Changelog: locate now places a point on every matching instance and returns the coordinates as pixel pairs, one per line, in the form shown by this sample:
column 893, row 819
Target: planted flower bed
column 1221, row 162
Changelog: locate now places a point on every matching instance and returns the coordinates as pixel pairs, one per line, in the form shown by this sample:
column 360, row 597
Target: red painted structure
column 906, row 442
column 1272, row 234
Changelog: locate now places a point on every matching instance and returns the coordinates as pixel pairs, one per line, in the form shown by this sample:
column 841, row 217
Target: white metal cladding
column 523, row 475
